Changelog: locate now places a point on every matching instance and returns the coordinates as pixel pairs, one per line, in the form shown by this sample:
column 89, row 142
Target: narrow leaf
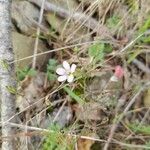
column 73, row 95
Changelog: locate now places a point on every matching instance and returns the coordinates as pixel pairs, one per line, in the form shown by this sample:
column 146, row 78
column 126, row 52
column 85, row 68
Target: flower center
column 68, row 72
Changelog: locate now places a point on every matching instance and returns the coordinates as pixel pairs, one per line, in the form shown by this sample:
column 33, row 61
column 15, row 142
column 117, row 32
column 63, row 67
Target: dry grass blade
column 38, row 34
column 54, row 50
column 90, row 22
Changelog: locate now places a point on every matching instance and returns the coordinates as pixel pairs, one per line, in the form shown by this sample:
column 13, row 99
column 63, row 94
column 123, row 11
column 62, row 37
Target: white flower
column 66, row 72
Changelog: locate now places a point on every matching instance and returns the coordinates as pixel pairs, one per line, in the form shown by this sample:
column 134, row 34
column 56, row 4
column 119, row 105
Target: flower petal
column 119, row 72
column 62, row 78
column 66, row 65
column 73, row 68
column 114, row 78
column 70, row 78
column 60, row 71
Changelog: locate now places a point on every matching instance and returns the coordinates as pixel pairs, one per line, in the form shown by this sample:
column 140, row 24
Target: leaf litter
column 105, row 82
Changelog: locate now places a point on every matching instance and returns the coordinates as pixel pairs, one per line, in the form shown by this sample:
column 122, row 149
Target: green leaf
column 108, row 48
column 96, row 49
column 112, row 21
column 145, row 26
column 51, row 67
column 22, row 73
column 4, row 64
column 99, row 57
column 96, row 52
column 73, row 95
column 76, row 49
column 32, row 72
column 147, row 144
column 133, row 56
column 145, row 39
column 133, row 5
column 145, row 129
column 11, row 89
column 57, row 139
column 52, row 62
column 51, row 76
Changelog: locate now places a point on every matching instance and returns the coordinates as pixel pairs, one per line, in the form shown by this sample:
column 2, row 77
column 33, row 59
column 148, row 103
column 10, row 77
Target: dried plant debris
column 104, row 91
column 86, row 144
column 90, row 89
column 90, row 112
column 32, row 95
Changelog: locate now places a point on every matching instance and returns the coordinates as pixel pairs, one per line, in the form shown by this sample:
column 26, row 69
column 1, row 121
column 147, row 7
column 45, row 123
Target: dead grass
column 117, row 125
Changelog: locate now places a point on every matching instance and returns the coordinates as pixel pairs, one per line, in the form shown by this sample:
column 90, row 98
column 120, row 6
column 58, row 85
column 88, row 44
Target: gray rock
column 23, row 15
column 63, row 119
column 69, row 4
column 24, row 46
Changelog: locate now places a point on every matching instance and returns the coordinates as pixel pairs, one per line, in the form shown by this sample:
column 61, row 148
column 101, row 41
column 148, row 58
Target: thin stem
column 38, row 34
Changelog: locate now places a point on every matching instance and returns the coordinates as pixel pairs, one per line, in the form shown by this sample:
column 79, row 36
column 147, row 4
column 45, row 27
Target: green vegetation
column 112, row 21
column 95, row 47
column 27, row 71
column 57, row 140
column 73, row 95
column 51, row 68
column 144, row 129
column 97, row 52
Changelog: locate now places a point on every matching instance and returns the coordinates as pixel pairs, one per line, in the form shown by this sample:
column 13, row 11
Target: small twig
column 60, row 110
column 38, row 34
column 141, row 66
column 131, row 43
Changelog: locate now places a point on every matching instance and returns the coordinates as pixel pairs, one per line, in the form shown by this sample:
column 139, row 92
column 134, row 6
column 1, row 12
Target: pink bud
column 119, row 72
